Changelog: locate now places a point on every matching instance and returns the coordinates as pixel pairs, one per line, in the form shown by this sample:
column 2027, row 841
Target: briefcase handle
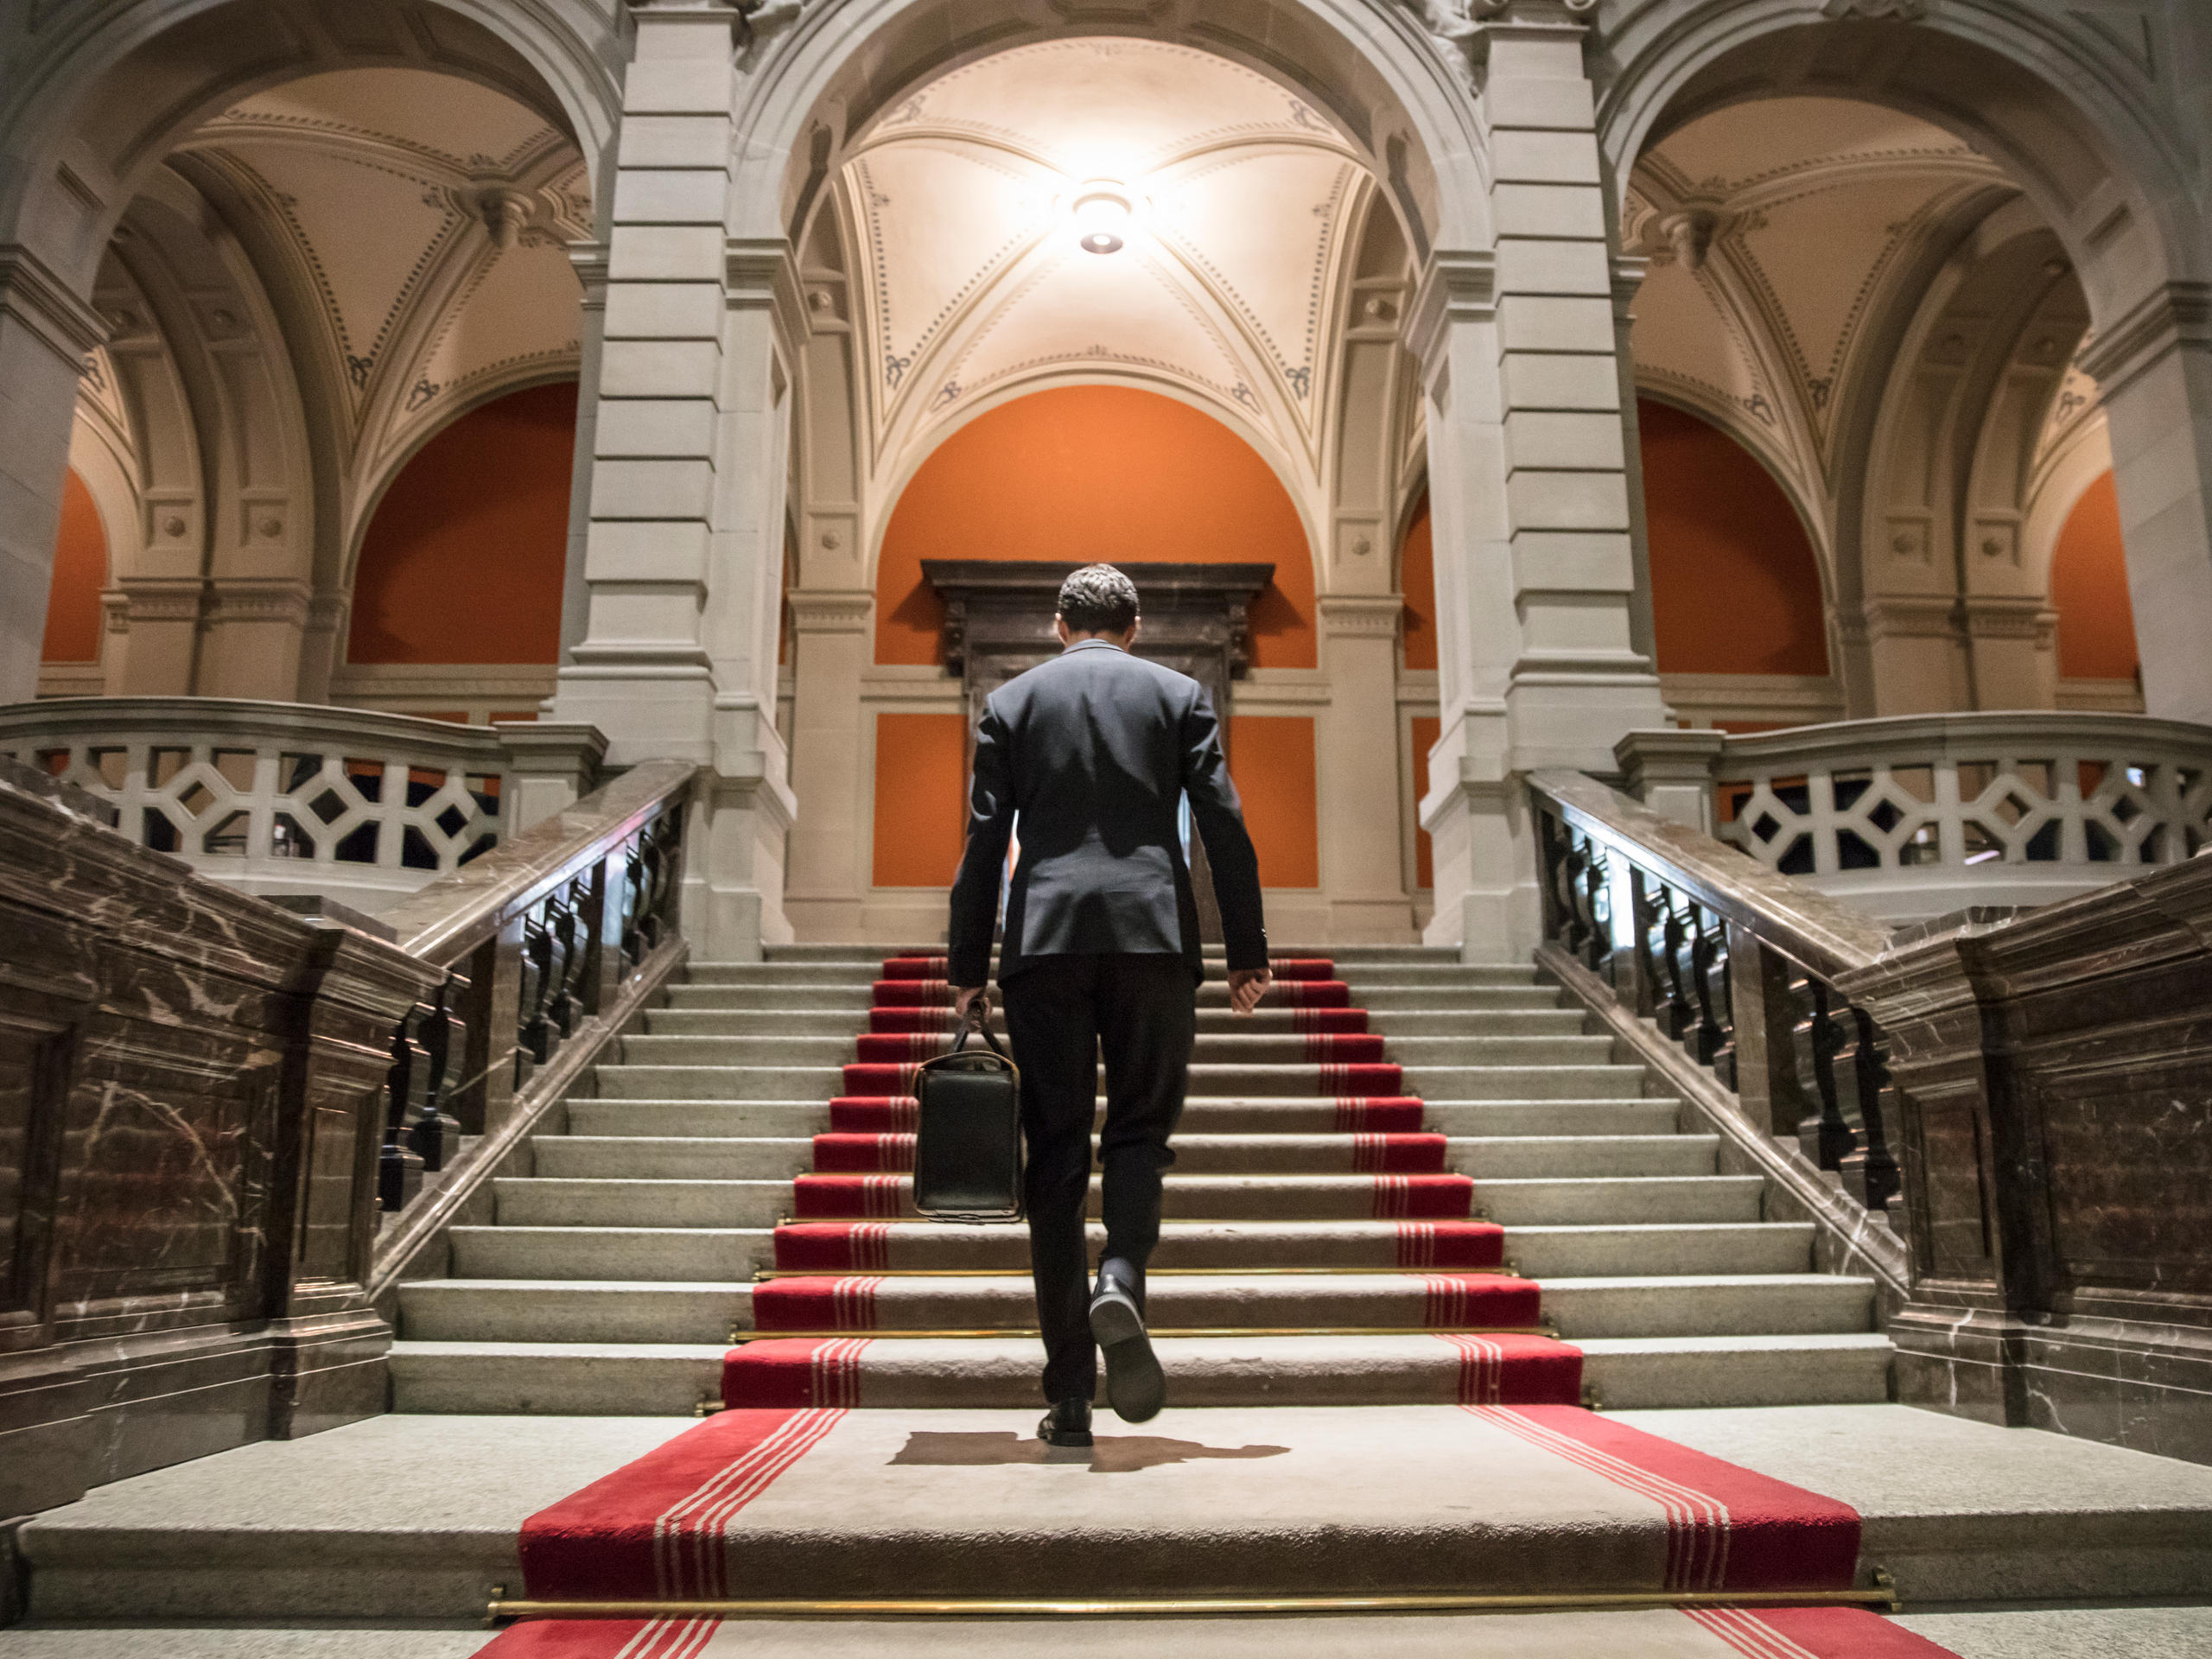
column 978, row 1024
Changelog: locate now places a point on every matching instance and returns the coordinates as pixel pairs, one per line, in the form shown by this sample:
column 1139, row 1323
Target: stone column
column 684, row 477
column 1362, row 872
column 588, row 260
column 2153, row 366
column 2012, row 651
column 827, row 881
column 45, row 331
column 251, row 636
column 1536, row 560
column 1915, row 654
column 156, row 620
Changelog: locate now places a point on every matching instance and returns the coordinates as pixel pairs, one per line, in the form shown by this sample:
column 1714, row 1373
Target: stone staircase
column 614, row 1278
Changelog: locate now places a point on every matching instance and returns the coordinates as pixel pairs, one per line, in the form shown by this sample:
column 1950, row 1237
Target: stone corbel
column 34, row 296
column 2172, row 317
column 1454, row 288
column 830, row 610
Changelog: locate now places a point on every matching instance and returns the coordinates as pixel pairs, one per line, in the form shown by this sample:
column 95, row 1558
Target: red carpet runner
column 771, row 1498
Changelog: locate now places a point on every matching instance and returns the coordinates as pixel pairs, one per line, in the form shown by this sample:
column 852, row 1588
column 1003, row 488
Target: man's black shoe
column 1066, row 1424
column 1134, row 1385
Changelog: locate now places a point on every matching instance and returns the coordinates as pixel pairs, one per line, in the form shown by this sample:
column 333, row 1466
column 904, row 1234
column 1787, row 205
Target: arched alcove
column 1095, row 472
column 1417, row 583
column 1735, row 587
column 462, row 561
column 2089, row 589
column 73, row 610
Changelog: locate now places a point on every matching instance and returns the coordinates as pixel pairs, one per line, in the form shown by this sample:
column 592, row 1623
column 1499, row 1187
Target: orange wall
column 1271, row 761
column 921, row 782
column 463, row 561
column 72, row 604
column 1417, row 581
column 2089, row 589
column 1095, row 474
column 1427, row 729
column 1735, row 588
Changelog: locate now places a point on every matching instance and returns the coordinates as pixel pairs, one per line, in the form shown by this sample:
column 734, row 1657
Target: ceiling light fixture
column 1102, row 210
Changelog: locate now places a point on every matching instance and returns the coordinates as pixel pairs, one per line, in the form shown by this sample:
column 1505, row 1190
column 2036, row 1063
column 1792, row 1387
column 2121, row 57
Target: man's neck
column 1120, row 642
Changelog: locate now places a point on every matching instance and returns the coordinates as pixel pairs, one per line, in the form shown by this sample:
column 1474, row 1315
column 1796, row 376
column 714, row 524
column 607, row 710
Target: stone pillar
column 828, row 880
column 550, row 766
column 2012, row 651
column 1915, row 654
column 45, row 331
column 1362, row 870
column 588, row 259
column 1670, row 770
column 156, row 620
column 2153, row 367
column 1536, row 562
column 684, row 482
column 251, row 635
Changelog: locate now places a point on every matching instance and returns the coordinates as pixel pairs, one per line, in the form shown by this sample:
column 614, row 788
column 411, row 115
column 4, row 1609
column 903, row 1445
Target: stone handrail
column 1915, row 814
column 272, row 797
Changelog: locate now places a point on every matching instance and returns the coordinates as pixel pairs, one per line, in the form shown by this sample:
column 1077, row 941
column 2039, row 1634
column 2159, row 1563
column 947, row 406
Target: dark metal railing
column 536, row 939
column 1734, row 963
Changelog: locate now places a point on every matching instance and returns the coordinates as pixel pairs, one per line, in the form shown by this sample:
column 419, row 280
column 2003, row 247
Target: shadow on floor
column 1114, row 1455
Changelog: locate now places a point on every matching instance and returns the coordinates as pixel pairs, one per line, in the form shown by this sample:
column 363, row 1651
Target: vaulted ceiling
column 422, row 217
column 1230, row 200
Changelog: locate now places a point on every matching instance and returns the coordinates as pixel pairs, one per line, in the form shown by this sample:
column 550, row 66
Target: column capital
column 2169, row 317
column 1361, row 615
column 1911, row 616
column 590, row 260
column 36, row 297
column 831, row 610
column 1457, row 286
column 258, row 599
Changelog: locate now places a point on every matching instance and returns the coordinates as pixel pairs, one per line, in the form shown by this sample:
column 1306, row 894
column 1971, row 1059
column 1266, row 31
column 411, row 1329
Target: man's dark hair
column 1098, row 599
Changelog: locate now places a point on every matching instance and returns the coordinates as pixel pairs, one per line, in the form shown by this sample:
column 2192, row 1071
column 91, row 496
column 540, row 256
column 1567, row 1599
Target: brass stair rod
column 1167, row 1606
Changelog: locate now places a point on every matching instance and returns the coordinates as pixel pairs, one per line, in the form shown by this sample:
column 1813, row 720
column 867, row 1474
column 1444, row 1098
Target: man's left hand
column 962, row 995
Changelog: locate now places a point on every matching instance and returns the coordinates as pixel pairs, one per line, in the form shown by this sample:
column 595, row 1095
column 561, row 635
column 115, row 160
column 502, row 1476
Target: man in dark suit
column 1094, row 752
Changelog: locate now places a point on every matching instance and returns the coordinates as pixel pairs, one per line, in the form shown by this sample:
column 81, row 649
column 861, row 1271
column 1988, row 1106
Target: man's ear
column 1135, row 628
column 1059, row 627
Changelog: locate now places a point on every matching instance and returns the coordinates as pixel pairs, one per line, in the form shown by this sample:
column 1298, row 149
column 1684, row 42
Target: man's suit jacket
column 1095, row 750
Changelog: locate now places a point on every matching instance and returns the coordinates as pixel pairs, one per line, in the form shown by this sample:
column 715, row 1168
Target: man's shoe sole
column 1135, row 1386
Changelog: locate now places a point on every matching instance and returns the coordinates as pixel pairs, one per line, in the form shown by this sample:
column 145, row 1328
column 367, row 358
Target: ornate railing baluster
column 443, row 1041
column 399, row 1166
column 1869, row 1169
column 1708, row 1029
column 1825, row 1134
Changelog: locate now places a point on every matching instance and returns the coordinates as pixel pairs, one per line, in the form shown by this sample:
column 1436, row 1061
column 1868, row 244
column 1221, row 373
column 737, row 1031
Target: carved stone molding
column 2007, row 616
column 36, row 296
column 831, row 610
column 1911, row 616
column 154, row 599
column 231, row 600
column 1455, row 287
column 1370, row 616
column 588, row 260
column 2169, row 318
column 1904, row 11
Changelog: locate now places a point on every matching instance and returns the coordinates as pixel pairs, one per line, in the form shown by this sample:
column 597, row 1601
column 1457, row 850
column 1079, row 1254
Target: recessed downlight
column 1101, row 210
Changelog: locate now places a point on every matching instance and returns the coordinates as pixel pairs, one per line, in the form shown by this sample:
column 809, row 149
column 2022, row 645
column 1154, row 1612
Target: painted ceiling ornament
column 1690, row 234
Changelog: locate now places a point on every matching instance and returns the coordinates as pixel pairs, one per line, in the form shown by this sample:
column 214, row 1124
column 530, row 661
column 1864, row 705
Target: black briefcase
column 968, row 1144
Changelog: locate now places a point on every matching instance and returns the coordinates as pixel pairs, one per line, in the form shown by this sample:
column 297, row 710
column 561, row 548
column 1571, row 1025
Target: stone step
column 766, row 1158
column 1365, row 1372
column 1200, row 1115
column 523, row 1310
column 531, row 1201
column 774, row 999
column 730, row 1254
column 657, row 1082
column 417, row 1516
column 2091, row 1631
column 1219, row 1048
column 701, row 1021
column 1392, row 1000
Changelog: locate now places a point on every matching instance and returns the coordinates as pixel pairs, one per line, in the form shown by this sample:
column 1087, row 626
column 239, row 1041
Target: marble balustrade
column 359, row 806
column 1910, row 817
column 215, row 1109
column 2005, row 1114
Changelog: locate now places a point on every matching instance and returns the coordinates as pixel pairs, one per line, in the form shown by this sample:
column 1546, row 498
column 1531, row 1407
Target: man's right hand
column 965, row 995
column 1247, row 986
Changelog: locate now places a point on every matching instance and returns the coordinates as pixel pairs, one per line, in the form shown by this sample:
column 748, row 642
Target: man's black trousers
column 1064, row 1014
